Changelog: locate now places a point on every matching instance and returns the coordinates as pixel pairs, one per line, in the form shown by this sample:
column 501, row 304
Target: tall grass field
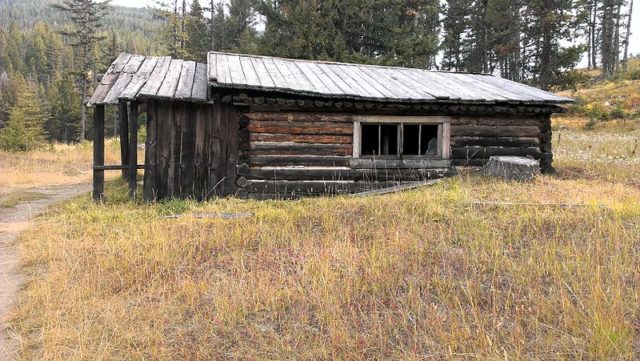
column 470, row 268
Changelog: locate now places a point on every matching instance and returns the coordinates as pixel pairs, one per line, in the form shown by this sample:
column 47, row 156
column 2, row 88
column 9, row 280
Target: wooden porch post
column 98, row 153
column 123, row 117
column 133, row 150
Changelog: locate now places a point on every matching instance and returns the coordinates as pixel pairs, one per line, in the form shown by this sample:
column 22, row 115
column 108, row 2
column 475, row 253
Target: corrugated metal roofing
column 135, row 76
column 367, row 82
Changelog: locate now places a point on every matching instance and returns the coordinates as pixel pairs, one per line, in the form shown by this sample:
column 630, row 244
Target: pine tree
column 455, row 25
column 173, row 30
column 25, row 128
column 197, row 44
column 86, row 17
column 65, row 108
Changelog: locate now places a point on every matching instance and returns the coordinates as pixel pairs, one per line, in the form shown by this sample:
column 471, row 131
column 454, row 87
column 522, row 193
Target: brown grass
column 61, row 165
column 429, row 273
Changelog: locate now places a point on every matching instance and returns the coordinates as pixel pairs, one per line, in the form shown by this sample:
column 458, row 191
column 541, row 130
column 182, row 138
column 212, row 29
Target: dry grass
column 609, row 152
column 61, row 165
column 423, row 274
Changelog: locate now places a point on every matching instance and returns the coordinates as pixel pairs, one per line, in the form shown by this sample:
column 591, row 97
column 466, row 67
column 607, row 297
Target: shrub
column 634, row 74
column 617, row 113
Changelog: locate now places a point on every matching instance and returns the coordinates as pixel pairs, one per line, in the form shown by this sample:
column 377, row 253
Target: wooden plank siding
column 192, row 150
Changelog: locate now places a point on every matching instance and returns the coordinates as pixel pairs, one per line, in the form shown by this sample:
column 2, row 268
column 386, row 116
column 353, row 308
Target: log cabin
column 267, row 127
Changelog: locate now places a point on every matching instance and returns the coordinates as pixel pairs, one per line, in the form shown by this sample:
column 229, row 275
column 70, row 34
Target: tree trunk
column 83, row 109
column 616, row 42
column 212, row 30
column 545, row 57
column 626, row 36
column 183, row 24
column 594, row 49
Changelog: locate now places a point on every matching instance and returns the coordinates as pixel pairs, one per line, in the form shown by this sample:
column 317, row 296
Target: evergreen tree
column 25, row 128
column 86, row 17
column 65, row 109
column 173, row 31
column 196, row 27
column 455, row 25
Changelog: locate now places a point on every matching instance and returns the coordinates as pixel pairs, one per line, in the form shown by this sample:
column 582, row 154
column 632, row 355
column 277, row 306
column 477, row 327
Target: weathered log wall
column 288, row 154
column 225, row 148
column 476, row 138
column 191, row 150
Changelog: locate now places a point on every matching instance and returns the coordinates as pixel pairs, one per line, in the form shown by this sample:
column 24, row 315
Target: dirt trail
column 13, row 221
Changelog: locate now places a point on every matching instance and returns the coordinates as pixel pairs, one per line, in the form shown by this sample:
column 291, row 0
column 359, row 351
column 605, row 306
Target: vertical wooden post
column 98, row 153
column 123, row 118
column 133, row 150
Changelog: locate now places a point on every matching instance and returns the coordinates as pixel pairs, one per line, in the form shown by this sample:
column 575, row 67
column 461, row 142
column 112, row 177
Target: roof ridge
column 342, row 63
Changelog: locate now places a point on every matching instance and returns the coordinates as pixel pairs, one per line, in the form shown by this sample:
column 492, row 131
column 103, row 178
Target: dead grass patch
column 414, row 275
column 61, row 165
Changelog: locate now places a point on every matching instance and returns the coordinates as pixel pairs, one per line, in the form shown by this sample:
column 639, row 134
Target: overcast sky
column 634, row 44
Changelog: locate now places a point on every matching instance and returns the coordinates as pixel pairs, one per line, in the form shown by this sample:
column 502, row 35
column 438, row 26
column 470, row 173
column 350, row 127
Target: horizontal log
column 485, row 152
column 464, row 162
column 299, row 117
column 310, row 128
column 495, row 141
column 317, row 139
column 292, row 189
column 328, row 174
column 290, row 148
column 115, row 167
column 513, row 120
column 497, row 131
column 318, row 161
column 399, row 163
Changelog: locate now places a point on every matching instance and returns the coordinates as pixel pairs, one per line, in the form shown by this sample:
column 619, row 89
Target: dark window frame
column 442, row 139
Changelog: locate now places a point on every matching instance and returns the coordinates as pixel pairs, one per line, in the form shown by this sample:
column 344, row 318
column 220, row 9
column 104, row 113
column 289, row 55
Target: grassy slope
column 422, row 273
column 598, row 100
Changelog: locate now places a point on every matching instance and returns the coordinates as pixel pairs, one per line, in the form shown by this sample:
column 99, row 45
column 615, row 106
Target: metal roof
column 135, row 76
column 367, row 82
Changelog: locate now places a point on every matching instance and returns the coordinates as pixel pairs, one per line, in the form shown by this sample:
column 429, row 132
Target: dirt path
column 13, row 221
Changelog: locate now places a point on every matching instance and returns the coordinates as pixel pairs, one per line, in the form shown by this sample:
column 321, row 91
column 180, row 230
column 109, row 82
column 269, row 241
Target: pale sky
column 634, row 43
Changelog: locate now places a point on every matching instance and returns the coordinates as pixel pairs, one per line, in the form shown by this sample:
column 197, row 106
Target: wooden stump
column 512, row 168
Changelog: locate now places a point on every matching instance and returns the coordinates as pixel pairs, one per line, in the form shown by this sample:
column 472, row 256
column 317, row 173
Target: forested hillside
column 537, row 42
column 34, row 52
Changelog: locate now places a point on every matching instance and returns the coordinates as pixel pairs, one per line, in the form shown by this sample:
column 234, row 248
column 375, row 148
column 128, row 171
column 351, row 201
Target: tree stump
column 512, row 168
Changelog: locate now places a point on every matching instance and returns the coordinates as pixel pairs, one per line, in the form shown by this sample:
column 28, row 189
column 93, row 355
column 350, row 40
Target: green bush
column 634, row 74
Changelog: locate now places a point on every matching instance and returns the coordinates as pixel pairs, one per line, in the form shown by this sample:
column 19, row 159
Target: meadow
column 59, row 165
column 468, row 268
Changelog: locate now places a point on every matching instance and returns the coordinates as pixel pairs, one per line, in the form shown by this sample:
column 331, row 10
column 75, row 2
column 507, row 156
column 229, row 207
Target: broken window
column 380, row 139
column 398, row 139
column 420, row 139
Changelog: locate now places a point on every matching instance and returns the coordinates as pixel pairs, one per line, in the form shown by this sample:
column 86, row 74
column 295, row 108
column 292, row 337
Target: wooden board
column 185, row 83
column 139, row 79
column 170, row 83
column 200, row 84
column 114, row 94
column 151, row 87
